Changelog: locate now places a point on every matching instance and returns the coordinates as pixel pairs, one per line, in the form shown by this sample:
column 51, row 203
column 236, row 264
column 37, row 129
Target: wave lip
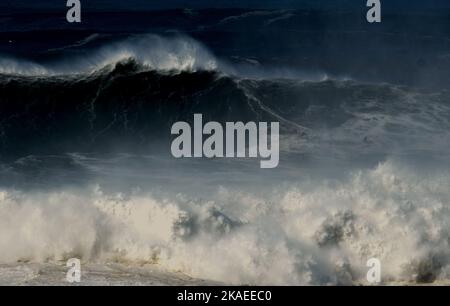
column 152, row 52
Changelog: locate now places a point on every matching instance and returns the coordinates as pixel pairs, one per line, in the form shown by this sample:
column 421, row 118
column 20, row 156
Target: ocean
column 85, row 132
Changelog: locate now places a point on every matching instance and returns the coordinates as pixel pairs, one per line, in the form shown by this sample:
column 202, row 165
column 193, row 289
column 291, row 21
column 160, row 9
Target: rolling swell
column 123, row 107
column 123, row 97
column 129, row 108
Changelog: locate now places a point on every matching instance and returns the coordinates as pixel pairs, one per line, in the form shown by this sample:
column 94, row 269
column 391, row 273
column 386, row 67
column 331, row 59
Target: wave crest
column 152, row 52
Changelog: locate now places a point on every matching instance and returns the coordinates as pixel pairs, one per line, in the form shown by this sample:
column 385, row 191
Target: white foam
column 314, row 232
column 21, row 67
column 151, row 51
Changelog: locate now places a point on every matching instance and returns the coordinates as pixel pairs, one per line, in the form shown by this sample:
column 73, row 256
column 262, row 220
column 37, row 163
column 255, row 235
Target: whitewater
column 306, row 233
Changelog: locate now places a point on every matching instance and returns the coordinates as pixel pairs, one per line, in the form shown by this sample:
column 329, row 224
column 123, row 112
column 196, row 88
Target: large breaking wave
column 124, row 105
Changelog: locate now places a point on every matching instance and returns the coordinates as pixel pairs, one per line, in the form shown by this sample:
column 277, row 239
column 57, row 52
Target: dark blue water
column 98, row 87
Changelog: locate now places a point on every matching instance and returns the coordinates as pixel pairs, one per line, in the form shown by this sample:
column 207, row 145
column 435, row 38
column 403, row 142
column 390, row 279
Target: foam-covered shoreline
column 27, row 274
column 54, row 274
